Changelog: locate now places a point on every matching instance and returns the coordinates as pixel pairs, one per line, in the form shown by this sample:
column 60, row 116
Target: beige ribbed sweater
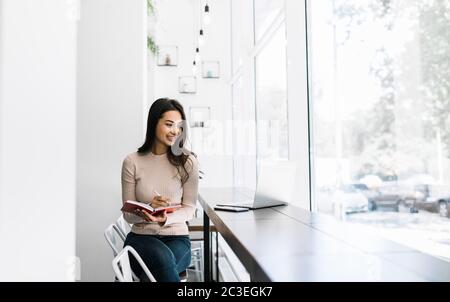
column 143, row 174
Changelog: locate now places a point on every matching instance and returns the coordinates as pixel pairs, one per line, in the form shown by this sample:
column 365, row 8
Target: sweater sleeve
column 129, row 188
column 189, row 199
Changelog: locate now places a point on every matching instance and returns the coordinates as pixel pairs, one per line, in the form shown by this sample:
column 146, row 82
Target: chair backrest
column 123, row 225
column 122, row 267
column 114, row 238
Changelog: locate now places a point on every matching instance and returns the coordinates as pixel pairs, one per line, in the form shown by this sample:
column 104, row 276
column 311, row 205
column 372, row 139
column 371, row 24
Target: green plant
column 151, row 44
column 150, row 7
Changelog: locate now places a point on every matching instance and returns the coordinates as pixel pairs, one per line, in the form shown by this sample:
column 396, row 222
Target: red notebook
column 131, row 206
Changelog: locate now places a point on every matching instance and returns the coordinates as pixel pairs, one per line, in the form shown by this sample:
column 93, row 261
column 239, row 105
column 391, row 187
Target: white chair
column 123, row 225
column 197, row 258
column 195, row 227
column 115, row 238
column 197, row 250
column 122, row 267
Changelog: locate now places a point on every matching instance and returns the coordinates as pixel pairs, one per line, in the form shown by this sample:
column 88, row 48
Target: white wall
column 178, row 25
column 37, row 140
column 112, row 82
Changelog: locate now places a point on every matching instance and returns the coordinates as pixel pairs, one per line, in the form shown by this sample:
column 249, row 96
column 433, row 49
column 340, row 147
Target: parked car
column 343, row 200
column 348, row 199
column 394, row 194
column 370, row 194
column 437, row 199
column 444, row 206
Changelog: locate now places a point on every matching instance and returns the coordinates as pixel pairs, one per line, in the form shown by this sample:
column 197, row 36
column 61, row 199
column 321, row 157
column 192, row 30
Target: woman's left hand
column 160, row 217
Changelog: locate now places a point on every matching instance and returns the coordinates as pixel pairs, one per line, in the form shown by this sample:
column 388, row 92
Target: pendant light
column 206, row 15
column 201, row 38
column 197, row 55
column 194, row 68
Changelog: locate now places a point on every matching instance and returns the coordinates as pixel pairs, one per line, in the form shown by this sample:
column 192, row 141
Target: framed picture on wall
column 187, row 84
column 199, row 116
column 167, row 55
column 210, row 69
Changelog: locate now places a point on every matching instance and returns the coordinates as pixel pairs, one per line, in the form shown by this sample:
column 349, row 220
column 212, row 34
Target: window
column 271, row 99
column 380, row 99
column 244, row 154
column 259, row 87
column 242, row 31
column 265, row 13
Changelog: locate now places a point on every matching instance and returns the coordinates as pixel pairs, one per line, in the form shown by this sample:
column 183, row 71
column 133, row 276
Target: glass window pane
column 271, row 99
column 265, row 13
column 380, row 99
column 242, row 31
column 244, row 157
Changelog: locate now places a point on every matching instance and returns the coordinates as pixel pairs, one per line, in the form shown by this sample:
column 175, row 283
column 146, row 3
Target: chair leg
column 200, row 262
column 183, row 276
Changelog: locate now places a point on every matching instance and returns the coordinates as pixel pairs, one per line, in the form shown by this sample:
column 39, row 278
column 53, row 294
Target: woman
column 162, row 172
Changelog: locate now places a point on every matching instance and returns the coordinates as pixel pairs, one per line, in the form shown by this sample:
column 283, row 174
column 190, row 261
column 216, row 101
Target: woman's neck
column 159, row 148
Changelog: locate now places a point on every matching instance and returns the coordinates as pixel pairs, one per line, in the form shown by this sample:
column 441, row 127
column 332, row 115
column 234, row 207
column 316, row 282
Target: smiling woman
column 159, row 175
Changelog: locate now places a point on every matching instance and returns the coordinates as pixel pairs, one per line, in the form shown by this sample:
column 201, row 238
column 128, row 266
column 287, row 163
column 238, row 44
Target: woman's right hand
column 160, row 201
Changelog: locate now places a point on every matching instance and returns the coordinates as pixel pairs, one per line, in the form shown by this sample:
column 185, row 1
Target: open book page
column 132, row 205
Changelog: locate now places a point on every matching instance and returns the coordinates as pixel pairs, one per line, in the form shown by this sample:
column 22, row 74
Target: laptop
column 275, row 185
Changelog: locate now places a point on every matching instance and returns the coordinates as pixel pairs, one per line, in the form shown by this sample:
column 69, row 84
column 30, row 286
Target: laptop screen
column 276, row 181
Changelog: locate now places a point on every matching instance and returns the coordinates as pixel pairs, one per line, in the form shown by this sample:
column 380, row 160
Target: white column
column 37, row 140
column 112, row 85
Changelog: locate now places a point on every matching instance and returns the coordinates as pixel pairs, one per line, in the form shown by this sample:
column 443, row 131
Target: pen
column 159, row 195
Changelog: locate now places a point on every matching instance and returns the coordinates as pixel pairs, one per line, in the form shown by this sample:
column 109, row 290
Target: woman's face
column 168, row 128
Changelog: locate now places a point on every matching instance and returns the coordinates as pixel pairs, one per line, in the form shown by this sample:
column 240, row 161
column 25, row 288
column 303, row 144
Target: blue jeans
column 165, row 256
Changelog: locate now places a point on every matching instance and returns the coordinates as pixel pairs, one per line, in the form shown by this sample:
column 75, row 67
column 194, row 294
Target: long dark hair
column 158, row 108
